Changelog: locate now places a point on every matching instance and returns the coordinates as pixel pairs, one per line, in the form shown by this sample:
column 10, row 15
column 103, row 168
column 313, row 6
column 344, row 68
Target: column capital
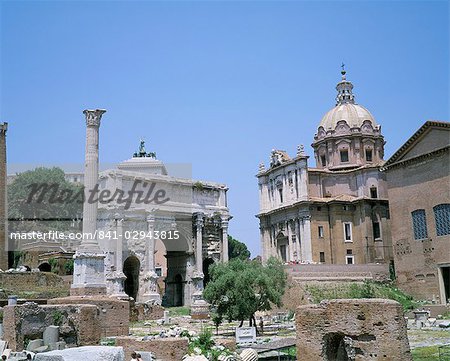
column 199, row 219
column 3, row 128
column 93, row 117
column 225, row 223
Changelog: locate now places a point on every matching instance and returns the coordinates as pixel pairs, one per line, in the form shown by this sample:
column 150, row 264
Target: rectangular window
column 281, row 194
column 323, row 160
column 344, row 155
column 322, row 257
column 320, row 230
column 350, row 259
column 376, row 230
column 373, row 192
column 442, row 219
column 348, row 232
column 419, row 224
column 368, row 155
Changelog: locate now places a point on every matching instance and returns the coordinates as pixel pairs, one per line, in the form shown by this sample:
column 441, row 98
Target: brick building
column 418, row 178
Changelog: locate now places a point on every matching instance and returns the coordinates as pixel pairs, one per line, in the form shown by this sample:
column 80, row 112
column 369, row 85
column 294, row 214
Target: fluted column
column 225, row 255
column 119, row 245
column 117, row 278
column 3, row 210
column 199, row 244
column 151, row 293
column 90, row 209
column 150, row 244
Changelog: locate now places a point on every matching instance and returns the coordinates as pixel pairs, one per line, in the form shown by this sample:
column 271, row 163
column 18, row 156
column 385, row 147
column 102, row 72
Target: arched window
column 419, row 224
column 442, row 219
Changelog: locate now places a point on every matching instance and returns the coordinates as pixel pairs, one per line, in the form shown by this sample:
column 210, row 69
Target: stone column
column 199, row 244
column 117, row 278
column 262, row 235
column 199, row 307
column 3, row 211
column 298, row 239
column 90, row 209
column 89, row 266
column 290, row 243
column 306, row 239
column 224, row 240
column 151, row 293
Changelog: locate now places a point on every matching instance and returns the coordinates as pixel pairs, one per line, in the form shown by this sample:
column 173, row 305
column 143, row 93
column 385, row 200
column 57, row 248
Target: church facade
column 338, row 211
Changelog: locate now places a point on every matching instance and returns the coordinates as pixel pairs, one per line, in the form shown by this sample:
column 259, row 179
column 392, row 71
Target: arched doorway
column 45, row 267
column 178, row 291
column 206, row 264
column 131, row 268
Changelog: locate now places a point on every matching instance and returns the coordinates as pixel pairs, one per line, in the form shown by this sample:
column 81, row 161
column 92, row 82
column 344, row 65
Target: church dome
column 353, row 114
column 346, row 109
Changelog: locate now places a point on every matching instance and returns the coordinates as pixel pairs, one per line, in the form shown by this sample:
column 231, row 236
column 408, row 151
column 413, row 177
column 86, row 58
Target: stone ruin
column 352, row 330
column 78, row 325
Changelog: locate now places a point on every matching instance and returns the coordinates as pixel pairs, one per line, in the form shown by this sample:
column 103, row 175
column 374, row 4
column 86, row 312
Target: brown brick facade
column 418, row 179
column 365, row 329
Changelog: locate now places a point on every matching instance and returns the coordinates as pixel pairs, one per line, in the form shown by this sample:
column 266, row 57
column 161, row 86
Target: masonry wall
column 419, row 185
column 114, row 315
column 167, row 349
column 79, row 324
column 366, row 329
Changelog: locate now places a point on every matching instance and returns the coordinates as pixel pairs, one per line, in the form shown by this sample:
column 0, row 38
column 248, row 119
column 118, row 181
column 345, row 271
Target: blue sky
column 214, row 84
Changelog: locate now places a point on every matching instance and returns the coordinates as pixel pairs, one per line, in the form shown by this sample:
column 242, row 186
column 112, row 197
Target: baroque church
column 337, row 212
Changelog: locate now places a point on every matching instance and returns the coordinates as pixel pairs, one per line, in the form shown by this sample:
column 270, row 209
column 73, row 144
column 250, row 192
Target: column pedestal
column 199, row 307
column 88, row 274
column 151, row 294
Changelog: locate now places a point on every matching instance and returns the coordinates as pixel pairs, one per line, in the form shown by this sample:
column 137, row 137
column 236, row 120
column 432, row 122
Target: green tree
column 237, row 249
column 240, row 288
column 42, row 200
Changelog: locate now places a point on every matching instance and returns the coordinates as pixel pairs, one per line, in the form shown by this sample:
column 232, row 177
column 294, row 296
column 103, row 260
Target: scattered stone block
column 91, row 353
column 444, row 324
column 34, row 344
column 60, row 345
column 3, row 345
column 41, row 349
column 146, row 356
column 245, row 335
column 51, row 335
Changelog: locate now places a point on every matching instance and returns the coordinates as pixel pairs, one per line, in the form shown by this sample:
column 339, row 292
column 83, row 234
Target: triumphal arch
column 140, row 204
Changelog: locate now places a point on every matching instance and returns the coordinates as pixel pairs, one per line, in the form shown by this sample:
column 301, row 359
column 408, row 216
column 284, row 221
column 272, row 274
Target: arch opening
column 45, row 267
column 131, row 268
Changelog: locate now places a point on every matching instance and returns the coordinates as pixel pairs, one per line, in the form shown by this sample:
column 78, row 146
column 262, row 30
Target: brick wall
column 114, row 315
column 370, row 329
column 167, row 349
